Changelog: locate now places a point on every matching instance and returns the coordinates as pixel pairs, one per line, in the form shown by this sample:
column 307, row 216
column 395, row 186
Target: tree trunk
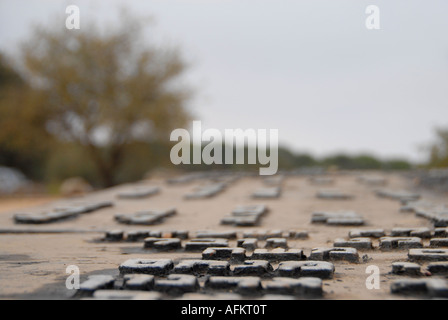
column 106, row 168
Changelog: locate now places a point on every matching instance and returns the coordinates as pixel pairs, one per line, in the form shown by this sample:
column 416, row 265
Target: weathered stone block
column 278, row 254
column 428, row 254
column 267, row 193
column 304, row 287
column 334, row 254
column 437, row 288
column 440, row 221
column 401, row 243
column 438, row 242
column 233, row 254
column 126, row 295
column 253, row 268
column 406, row 268
column 296, row 235
column 95, row 282
column 399, row 195
column 357, row 243
column 441, row 233
column 243, row 221
column 411, row 232
column 162, row 244
column 345, row 221
column 334, row 195
column 207, row 191
column 114, row 235
column 263, row 235
column 202, row 244
column 138, row 193
column 216, row 234
column 294, row 269
column 138, row 282
column 348, row 218
column 177, row 284
column 157, row 267
column 437, row 268
column 84, row 207
column 180, row 234
column 137, row 235
column 276, row 243
column 371, row 233
column 249, row 244
column 259, row 210
column 145, row 217
column 46, row 217
column 409, row 286
column 202, row 267
column 242, row 285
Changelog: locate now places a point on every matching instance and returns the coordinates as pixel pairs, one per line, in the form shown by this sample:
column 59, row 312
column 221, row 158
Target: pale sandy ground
column 34, row 265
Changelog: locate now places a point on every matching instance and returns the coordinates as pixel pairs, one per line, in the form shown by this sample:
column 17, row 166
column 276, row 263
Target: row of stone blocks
column 438, row 218
column 433, row 287
column 194, row 245
column 347, row 218
column 390, row 243
column 280, row 252
column 138, row 193
column 145, row 217
column 400, row 195
column 333, row 195
column 267, row 193
column 244, row 216
column 414, row 269
column 61, row 213
column 140, row 235
column 206, row 191
column 418, row 255
column 436, row 213
column 142, row 286
column 424, row 233
column 259, row 268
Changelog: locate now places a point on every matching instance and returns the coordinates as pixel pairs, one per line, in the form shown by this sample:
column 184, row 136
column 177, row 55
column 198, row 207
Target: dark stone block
column 157, row 267
column 294, row 269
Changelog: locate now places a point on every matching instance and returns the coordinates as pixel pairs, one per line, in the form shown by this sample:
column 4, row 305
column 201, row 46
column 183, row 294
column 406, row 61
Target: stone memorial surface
column 230, row 245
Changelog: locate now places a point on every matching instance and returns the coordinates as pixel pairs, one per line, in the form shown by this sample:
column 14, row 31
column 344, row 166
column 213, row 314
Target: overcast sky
column 308, row 68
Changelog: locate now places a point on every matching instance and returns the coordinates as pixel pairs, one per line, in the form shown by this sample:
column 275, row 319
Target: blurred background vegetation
column 92, row 104
column 101, row 105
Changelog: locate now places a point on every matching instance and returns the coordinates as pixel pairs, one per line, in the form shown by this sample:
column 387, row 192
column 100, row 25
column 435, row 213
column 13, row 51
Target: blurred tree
column 341, row 161
column 105, row 90
column 23, row 140
column 439, row 149
column 305, row 160
column 8, row 76
column 366, row 162
column 397, row 164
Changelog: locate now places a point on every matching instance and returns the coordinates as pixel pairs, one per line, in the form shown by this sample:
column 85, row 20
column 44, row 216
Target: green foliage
column 23, row 141
column 397, row 164
column 365, row 162
column 95, row 94
column 439, row 150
